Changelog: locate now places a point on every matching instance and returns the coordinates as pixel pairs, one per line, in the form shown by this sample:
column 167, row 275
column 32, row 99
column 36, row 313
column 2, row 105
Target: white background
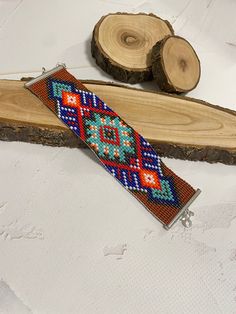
column 59, row 209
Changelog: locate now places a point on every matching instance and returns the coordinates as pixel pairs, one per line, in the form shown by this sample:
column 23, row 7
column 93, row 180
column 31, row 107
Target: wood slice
column 176, row 126
column 122, row 42
column 175, row 65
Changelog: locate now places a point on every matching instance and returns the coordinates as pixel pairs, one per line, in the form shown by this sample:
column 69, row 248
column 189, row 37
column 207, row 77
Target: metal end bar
column 44, row 75
column 198, row 191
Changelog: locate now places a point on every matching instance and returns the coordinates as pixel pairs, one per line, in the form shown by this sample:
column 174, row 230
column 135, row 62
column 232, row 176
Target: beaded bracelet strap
column 122, row 151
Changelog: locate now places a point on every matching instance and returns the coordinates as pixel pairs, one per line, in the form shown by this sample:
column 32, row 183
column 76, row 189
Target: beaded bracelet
column 121, row 150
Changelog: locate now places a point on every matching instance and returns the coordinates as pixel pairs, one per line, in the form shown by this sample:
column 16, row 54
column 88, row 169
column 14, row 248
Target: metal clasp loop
column 186, row 218
column 57, row 65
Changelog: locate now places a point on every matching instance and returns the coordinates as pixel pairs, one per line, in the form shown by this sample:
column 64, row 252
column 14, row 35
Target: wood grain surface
column 122, row 43
column 177, row 126
column 175, row 65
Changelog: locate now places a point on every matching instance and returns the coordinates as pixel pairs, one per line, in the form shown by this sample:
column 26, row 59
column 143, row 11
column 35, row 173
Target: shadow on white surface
column 9, row 302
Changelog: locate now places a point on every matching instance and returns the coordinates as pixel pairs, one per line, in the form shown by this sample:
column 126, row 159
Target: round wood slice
column 175, row 65
column 122, row 43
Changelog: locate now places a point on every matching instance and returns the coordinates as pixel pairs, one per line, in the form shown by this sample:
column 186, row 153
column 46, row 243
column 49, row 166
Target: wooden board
column 177, row 126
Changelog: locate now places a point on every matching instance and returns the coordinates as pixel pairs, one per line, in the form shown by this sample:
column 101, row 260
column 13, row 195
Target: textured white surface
column 54, row 230
column 10, row 303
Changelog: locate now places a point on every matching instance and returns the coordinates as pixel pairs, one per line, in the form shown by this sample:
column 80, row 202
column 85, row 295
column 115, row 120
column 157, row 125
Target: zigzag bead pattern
column 122, row 151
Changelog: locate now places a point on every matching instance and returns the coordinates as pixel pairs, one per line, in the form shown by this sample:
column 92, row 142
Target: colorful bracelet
column 121, row 150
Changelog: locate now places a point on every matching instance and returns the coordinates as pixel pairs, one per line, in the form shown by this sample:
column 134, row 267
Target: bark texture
column 53, row 133
column 175, row 65
column 131, row 42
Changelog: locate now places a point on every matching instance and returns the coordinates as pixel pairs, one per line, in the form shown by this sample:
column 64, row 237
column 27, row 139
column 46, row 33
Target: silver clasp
column 57, row 65
column 61, row 64
column 186, row 218
column 45, row 74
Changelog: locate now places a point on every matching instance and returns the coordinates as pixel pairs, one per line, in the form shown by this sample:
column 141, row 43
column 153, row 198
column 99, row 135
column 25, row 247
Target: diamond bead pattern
column 121, row 150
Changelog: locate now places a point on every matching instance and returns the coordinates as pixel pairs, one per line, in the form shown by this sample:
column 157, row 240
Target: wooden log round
column 175, row 65
column 122, row 43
